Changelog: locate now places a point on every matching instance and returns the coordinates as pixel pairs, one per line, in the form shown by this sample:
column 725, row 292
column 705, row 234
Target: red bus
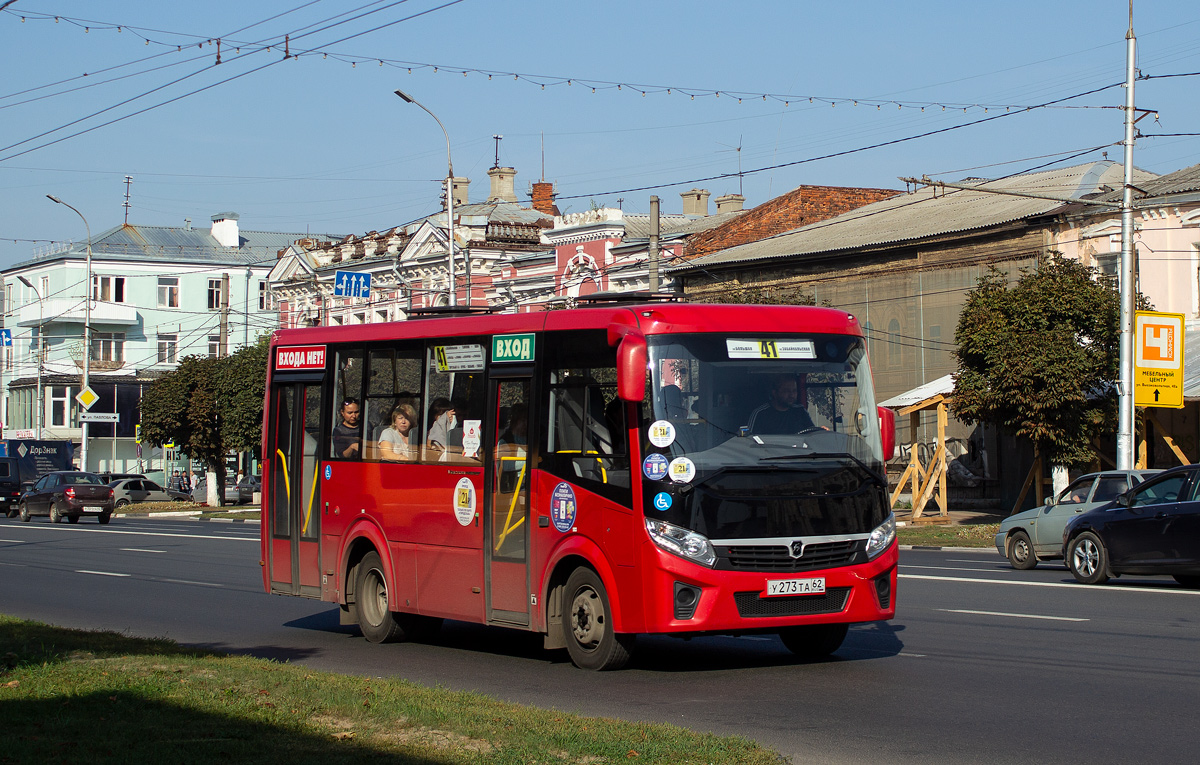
column 588, row 474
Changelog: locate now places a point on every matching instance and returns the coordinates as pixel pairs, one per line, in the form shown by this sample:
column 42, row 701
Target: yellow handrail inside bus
column 603, row 472
column 312, row 493
column 287, row 484
column 509, row 526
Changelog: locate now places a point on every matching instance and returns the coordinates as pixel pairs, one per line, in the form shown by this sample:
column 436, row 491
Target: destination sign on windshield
column 770, row 349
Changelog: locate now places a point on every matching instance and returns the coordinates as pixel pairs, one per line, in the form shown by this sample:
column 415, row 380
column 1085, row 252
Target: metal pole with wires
column 1125, row 408
column 87, row 332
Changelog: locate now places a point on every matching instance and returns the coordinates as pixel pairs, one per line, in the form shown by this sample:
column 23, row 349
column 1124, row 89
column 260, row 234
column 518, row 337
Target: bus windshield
column 763, row 436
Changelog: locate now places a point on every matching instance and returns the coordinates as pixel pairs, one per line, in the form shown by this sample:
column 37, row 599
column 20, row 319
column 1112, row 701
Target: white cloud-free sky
column 319, row 142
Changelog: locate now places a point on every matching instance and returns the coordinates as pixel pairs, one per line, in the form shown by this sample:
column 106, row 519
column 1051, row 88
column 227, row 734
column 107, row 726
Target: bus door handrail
column 509, row 526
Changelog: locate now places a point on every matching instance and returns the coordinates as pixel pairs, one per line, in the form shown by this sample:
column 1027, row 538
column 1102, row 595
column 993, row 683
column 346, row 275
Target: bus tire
column 814, row 641
column 371, row 598
column 587, row 624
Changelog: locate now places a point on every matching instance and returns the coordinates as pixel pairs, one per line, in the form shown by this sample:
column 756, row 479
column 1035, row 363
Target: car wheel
column 1087, row 559
column 1020, row 551
column 815, row 641
column 122, row 502
column 56, row 515
column 375, row 619
column 1191, row 581
column 587, row 624
column 24, row 512
column 73, row 518
column 104, row 517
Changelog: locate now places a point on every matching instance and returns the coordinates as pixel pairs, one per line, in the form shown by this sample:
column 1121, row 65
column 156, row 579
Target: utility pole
column 223, row 349
column 1125, row 385
column 652, row 261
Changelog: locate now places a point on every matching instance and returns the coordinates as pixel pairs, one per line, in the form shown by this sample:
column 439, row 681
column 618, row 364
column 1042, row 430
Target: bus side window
column 454, row 397
column 393, row 379
column 346, row 435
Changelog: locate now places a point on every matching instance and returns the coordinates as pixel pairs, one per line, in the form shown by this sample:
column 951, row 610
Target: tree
column 1040, row 356
column 209, row 406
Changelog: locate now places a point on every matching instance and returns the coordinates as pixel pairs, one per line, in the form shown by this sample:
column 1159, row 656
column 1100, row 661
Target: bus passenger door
column 293, row 499
column 506, row 514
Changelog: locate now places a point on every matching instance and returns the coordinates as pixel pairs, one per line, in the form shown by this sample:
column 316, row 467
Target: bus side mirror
column 887, row 431
column 631, row 368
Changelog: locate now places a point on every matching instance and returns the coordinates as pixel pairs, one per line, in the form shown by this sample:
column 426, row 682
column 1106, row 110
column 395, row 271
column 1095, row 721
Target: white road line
column 98, row 573
column 912, row 655
column 138, row 549
column 186, row 581
column 1064, row 585
column 955, row 568
column 1014, row 616
column 140, row 533
column 14, row 541
column 957, row 560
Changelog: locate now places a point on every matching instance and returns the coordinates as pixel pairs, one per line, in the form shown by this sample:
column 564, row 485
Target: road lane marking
column 1014, row 616
column 959, row 560
column 99, row 573
column 954, row 568
column 188, row 581
column 14, row 541
column 1064, row 585
column 65, row 529
column 138, row 549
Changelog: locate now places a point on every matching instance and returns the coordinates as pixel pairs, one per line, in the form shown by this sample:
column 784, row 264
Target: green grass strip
column 977, row 535
column 100, row 697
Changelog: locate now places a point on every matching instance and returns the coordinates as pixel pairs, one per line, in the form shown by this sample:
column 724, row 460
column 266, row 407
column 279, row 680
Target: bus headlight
column 679, row 541
column 882, row 536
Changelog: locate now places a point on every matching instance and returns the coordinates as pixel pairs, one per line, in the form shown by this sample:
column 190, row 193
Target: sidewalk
column 957, row 517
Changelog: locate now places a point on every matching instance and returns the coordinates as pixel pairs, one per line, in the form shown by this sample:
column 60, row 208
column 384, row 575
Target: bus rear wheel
column 587, row 624
column 814, row 641
column 371, row 596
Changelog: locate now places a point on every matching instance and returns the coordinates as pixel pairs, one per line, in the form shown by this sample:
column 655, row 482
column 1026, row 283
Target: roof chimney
column 225, row 229
column 695, row 202
column 502, row 184
column 543, row 194
column 730, row 203
column 461, row 185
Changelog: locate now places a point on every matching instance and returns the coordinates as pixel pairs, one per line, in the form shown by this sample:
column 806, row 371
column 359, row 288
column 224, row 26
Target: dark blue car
column 1152, row 529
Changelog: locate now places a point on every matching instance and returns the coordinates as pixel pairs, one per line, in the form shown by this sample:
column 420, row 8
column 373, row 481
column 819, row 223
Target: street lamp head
column 25, row 281
column 53, row 198
column 404, row 96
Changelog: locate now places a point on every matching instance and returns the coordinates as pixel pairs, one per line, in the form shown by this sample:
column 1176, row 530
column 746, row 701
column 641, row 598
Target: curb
column 228, row 520
column 991, row 550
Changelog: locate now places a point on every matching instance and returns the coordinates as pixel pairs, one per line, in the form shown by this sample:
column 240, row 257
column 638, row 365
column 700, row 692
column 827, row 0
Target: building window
column 108, row 346
column 893, row 344
column 264, row 297
column 214, row 346
column 168, row 348
column 8, row 304
column 60, row 399
column 45, row 280
column 168, row 292
column 109, row 289
column 214, row 294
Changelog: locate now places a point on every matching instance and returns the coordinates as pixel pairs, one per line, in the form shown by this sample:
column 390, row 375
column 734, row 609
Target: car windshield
column 763, row 436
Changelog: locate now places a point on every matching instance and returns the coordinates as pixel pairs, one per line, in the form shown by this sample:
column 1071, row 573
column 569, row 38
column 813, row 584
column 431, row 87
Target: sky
column 297, row 128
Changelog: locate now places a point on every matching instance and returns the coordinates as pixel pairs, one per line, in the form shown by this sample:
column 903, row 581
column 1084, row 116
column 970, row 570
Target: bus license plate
column 814, row 586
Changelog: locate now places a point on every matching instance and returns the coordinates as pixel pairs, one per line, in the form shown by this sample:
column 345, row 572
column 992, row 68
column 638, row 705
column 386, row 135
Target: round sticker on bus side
column 464, row 501
column 655, row 466
column 662, row 501
column 328, row 472
column 662, row 433
column 682, row 470
column 562, row 507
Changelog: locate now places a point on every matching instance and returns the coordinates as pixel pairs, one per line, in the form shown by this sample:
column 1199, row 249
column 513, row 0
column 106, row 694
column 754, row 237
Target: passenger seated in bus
column 672, row 403
column 780, row 415
column 346, row 432
column 441, row 420
column 395, row 442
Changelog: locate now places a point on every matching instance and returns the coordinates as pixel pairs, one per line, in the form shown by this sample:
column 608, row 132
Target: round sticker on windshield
column 328, row 472
column 662, row 433
column 655, row 467
column 562, row 507
column 464, row 501
column 682, row 470
column 662, row 501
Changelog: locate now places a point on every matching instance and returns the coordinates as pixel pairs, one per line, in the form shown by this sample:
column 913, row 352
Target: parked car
column 1153, row 528
column 10, row 486
column 68, row 494
column 247, row 487
column 130, row 490
column 232, row 494
column 110, row 477
column 1037, row 534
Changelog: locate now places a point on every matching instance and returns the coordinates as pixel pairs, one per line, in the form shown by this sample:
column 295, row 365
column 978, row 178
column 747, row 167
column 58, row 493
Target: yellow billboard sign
column 1158, row 359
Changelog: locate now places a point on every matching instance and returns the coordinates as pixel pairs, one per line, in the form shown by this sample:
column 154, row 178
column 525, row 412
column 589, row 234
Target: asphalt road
column 982, row 664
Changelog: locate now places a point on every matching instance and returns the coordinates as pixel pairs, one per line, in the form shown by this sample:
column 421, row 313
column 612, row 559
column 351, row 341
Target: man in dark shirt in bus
column 780, row 415
column 346, row 432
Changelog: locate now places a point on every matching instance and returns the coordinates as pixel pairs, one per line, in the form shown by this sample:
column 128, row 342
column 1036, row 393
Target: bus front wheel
column 814, row 641
column 587, row 624
column 371, row 596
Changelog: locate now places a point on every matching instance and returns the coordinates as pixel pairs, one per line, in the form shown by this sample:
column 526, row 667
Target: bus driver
column 780, row 415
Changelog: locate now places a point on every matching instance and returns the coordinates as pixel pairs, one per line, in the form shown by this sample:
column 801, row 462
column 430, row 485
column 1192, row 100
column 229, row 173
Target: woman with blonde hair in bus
column 395, row 442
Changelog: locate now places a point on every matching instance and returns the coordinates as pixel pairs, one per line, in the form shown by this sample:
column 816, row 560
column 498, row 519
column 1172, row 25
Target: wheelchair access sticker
column 662, row 501
column 328, row 472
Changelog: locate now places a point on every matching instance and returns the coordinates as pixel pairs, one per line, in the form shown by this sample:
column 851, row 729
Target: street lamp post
column 41, row 406
column 449, row 195
column 87, row 330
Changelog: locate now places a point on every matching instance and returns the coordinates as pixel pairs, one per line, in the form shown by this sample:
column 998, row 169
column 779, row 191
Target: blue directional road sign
column 351, row 284
column 5, row 337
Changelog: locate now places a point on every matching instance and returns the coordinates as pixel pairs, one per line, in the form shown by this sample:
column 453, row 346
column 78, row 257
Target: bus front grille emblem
column 797, row 549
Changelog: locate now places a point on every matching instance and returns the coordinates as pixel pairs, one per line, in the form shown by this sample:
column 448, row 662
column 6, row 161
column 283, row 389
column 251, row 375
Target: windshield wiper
column 806, row 455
